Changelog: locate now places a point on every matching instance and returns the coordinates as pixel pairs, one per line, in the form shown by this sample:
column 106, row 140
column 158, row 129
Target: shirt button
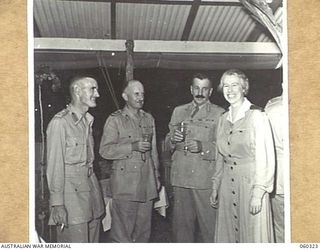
column 231, row 168
column 236, row 217
column 229, row 155
column 236, row 229
column 225, row 161
column 76, row 144
column 228, row 143
column 232, row 179
column 234, row 163
column 234, row 204
column 230, row 132
column 76, row 190
column 233, row 192
column 129, row 136
column 121, row 168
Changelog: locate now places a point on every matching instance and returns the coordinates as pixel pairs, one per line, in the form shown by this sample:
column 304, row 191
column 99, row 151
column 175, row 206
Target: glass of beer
column 146, row 137
column 182, row 127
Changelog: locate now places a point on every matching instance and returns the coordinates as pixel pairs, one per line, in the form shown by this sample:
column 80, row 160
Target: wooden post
column 129, row 64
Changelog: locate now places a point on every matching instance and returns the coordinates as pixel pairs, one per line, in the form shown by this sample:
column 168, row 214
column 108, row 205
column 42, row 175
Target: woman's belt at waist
column 237, row 161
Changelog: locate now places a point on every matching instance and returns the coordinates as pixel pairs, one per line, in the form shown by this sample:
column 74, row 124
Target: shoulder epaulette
column 274, row 100
column 116, row 113
column 62, row 113
column 253, row 107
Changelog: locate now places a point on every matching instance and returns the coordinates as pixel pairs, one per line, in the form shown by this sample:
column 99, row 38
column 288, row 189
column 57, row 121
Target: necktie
column 196, row 109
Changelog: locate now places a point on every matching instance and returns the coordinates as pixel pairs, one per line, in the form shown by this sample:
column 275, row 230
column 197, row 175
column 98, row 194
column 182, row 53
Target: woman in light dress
column 245, row 166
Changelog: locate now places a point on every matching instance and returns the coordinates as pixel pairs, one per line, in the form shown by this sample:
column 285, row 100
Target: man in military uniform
column 276, row 113
column 129, row 139
column 193, row 162
column 75, row 196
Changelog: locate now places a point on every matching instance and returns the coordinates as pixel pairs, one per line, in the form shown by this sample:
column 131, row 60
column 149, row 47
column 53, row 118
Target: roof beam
column 259, row 28
column 168, row 2
column 191, row 17
column 113, row 19
column 150, row 46
column 36, row 30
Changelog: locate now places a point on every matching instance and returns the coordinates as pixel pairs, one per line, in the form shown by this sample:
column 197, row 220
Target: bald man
column 75, row 198
column 129, row 139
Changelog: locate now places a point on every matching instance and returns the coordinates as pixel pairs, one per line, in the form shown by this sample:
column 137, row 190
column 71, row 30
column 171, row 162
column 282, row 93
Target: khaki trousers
column 131, row 221
column 277, row 203
column 192, row 207
column 80, row 233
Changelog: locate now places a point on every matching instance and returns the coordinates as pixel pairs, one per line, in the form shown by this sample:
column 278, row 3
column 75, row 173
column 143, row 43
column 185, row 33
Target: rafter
column 153, row 46
column 192, row 16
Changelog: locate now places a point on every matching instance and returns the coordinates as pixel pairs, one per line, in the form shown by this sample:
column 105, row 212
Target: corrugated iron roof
column 145, row 20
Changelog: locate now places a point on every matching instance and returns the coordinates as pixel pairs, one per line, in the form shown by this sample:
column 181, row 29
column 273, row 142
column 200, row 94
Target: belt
column 78, row 171
column 237, row 161
column 180, row 147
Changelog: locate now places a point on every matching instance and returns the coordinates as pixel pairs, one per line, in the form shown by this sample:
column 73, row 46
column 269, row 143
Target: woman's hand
column 214, row 198
column 255, row 205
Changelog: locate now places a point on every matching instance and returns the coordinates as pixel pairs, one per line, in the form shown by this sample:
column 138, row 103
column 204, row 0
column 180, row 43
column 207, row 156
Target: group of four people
column 222, row 171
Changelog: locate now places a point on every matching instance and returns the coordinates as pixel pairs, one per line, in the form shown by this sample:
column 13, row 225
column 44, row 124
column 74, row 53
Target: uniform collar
column 126, row 111
column 77, row 116
column 245, row 106
column 206, row 104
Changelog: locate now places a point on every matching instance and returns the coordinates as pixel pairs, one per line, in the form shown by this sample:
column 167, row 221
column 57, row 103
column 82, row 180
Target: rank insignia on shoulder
column 253, row 106
column 116, row 113
column 62, row 113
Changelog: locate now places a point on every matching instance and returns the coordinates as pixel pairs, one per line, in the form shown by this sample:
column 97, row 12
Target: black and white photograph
column 159, row 121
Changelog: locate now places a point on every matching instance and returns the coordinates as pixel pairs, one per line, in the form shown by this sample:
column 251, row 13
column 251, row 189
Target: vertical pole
column 129, row 64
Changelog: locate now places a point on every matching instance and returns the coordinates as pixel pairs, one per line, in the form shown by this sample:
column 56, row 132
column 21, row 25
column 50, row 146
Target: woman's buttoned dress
column 245, row 168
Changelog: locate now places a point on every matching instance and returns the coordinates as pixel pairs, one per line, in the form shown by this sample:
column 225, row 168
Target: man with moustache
column 129, row 139
column 75, row 197
column 193, row 162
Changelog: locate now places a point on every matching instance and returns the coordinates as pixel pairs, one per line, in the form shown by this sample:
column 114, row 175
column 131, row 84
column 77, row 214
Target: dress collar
column 245, row 106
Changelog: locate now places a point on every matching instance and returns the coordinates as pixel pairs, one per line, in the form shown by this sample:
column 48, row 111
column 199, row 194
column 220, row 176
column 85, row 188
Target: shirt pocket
column 73, row 185
column 128, row 135
column 133, row 167
column 75, row 150
column 202, row 130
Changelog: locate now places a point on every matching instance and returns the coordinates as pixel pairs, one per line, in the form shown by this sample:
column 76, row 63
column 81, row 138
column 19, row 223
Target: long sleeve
column 154, row 151
column 172, row 126
column 264, row 155
column 111, row 147
column 218, row 164
column 56, row 147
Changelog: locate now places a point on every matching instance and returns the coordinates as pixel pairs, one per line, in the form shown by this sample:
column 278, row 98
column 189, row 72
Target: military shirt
column 133, row 178
column 275, row 112
column 70, row 156
column 194, row 170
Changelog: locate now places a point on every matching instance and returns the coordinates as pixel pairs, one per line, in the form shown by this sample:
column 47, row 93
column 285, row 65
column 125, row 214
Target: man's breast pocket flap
column 75, row 185
column 75, row 150
column 74, row 141
column 129, row 134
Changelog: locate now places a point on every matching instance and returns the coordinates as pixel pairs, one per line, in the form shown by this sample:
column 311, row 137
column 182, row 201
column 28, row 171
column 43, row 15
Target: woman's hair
column 236, row 72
